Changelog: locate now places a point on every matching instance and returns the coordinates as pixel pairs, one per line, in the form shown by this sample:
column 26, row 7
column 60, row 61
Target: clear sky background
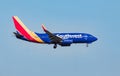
column 100, row 18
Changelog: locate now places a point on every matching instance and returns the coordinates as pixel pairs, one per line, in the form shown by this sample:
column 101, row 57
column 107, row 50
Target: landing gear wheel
column 55, row 46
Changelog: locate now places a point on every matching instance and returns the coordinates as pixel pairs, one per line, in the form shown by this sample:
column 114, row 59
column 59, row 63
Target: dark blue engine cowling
column 66, row 42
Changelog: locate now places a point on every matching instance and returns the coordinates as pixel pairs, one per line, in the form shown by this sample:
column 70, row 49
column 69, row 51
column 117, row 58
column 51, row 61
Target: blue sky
column 100, row 18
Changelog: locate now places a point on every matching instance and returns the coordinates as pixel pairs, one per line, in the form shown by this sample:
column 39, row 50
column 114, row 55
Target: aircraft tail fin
column 21, row 28
column 24, row 31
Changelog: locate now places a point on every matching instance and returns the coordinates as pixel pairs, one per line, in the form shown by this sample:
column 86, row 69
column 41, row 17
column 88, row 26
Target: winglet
column 44, row 28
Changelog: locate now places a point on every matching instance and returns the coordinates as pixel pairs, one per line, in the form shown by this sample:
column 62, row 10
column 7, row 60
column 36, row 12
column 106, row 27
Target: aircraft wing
column 54, row 38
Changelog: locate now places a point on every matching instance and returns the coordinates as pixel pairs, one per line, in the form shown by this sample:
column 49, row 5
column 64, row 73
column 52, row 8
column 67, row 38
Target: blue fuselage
column 74, row 37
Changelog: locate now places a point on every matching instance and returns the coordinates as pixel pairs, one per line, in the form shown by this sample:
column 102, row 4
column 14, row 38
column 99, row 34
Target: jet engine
column 66, row 42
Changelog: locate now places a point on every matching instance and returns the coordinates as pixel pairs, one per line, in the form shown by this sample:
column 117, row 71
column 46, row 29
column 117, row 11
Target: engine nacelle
column 66, row 42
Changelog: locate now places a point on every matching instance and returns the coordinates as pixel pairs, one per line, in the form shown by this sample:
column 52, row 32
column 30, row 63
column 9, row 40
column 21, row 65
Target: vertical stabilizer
column 24, row 31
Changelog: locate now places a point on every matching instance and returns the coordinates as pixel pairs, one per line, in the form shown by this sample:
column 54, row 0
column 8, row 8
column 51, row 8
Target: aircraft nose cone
column 95, row 39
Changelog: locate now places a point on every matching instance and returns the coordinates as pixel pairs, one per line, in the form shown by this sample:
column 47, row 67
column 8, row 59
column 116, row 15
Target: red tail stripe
column 22, row 30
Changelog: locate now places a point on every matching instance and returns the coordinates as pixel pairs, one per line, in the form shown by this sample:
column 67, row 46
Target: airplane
column 62, row 39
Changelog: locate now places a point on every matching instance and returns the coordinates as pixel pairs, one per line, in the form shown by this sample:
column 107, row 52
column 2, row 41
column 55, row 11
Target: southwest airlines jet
column 63, row 39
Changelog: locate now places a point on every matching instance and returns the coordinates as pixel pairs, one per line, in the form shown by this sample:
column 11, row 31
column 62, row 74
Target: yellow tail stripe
column 32, row 34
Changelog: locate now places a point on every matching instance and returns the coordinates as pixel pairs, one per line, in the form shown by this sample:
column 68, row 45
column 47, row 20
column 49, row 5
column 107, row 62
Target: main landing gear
column 55, row 46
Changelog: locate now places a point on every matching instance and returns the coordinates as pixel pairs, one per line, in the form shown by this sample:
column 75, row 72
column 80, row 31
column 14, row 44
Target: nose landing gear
column 86, row 45
column 55, row 46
